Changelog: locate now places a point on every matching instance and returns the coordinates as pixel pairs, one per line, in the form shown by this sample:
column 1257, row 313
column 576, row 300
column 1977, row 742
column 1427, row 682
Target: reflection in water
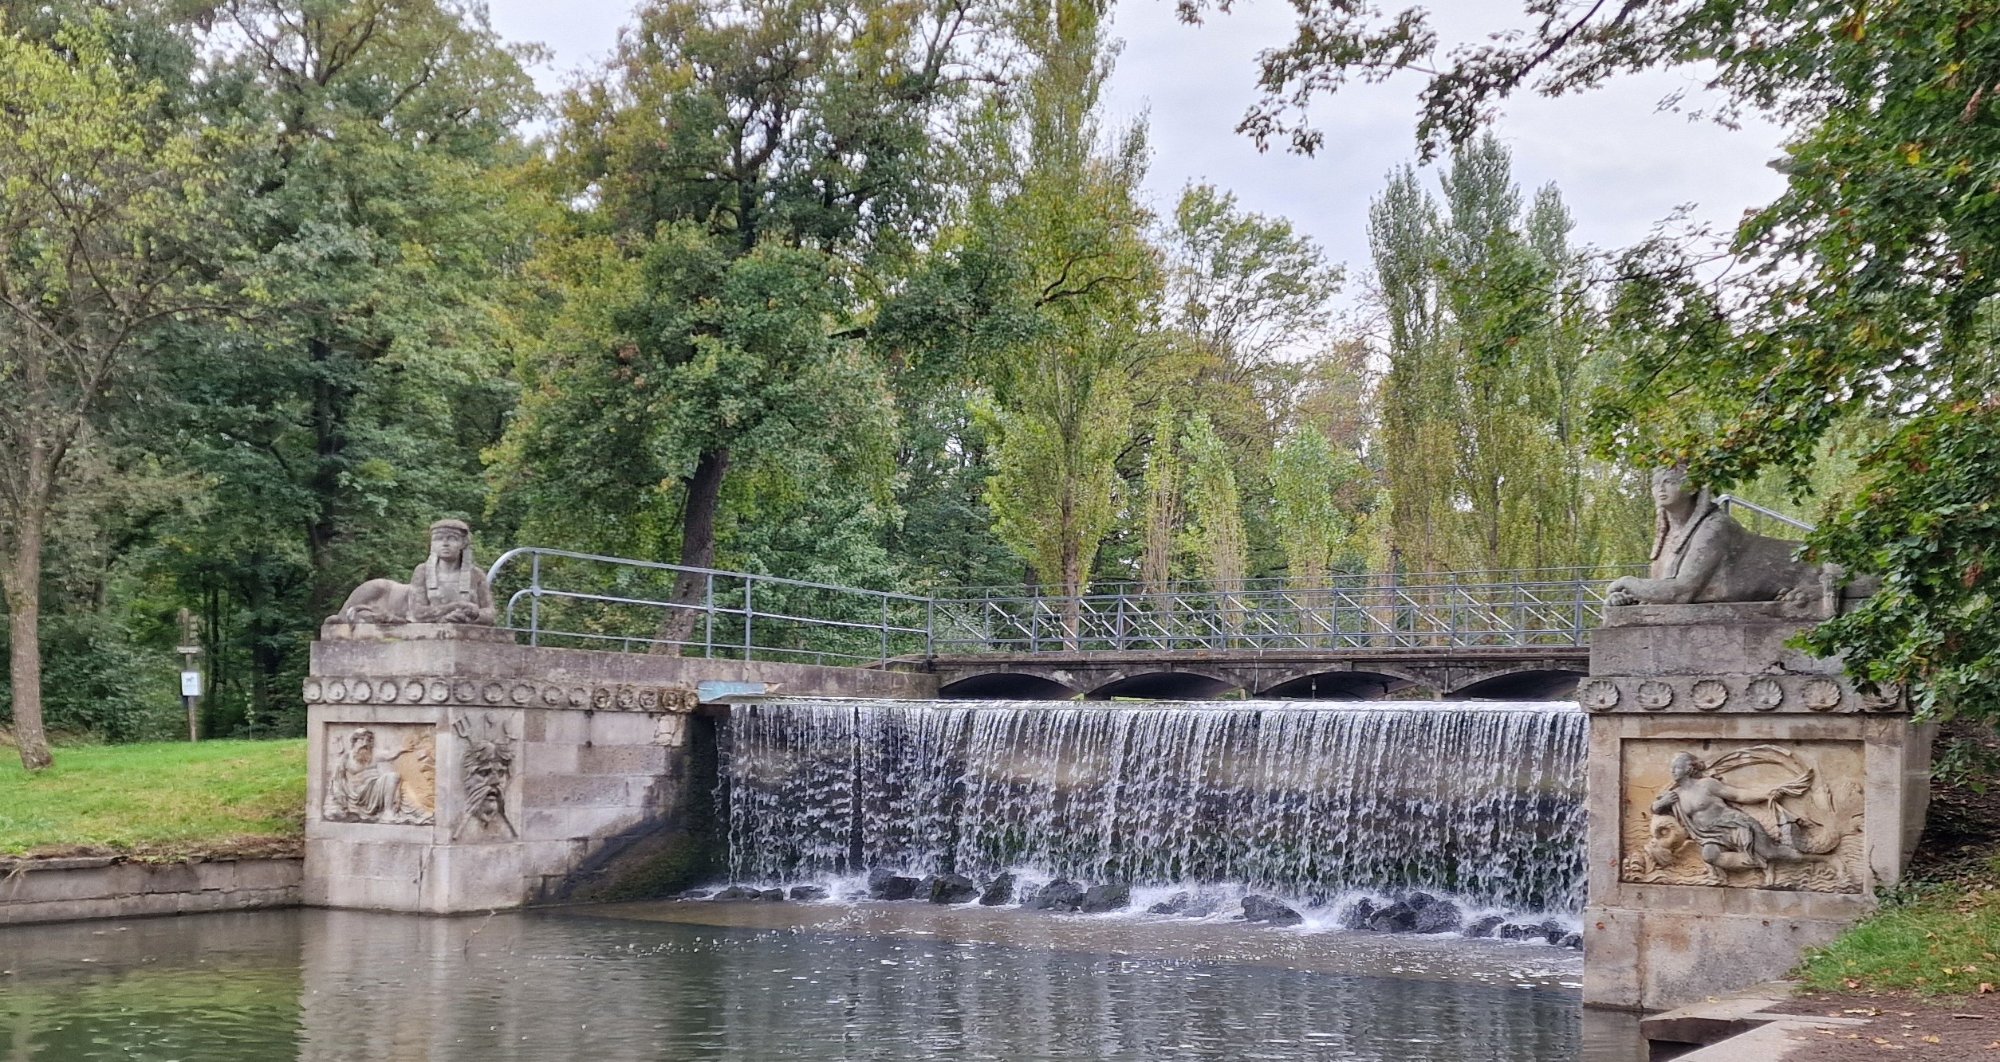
column 642, row 982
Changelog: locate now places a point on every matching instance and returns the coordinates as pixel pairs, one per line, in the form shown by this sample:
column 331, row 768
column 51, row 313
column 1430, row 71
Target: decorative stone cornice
column 1821, row 694
column 462, row 691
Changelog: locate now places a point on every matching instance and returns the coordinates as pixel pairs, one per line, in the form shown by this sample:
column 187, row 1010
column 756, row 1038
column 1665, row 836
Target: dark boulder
column 1174, row 904
column 1264, row 909
column 999, row 892
column 1554, row 931
column 1357, row 916
column 1061, row 894
column 887, row 885
column 1102, row 898
column 953, row 888
column 1521, row 931
column 738, row 892
column 1573, row 941
column 810, row 892
column 1483, row 927
column 1440, row 916
column 1202, row 907
column 1395, row 918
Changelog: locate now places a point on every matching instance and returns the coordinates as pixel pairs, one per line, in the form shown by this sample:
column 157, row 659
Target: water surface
column 696, row 981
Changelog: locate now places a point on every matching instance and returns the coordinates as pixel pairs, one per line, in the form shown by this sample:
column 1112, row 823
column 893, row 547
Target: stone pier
column 452, row 770
column 1745, row 800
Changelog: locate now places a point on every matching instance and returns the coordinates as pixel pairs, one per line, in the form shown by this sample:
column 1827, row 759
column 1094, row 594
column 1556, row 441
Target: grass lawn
column 166, row 800
column 1943, row 941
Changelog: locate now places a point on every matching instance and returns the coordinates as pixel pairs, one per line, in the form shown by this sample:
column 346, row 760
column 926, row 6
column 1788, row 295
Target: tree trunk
column 23, row 580
column 329, row 427
column 704, row 496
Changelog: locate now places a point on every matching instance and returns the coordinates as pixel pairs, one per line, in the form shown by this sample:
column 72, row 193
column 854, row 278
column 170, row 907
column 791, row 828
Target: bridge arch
column 1007, row 686
column 1370, row 684
column 1529, row 682
column 1180, row 684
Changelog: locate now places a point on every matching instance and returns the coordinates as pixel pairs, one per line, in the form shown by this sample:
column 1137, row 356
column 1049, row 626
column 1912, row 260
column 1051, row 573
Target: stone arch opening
column 1525, row 684
column 1340, row 686
column 1006, row 686
column 1165, row 686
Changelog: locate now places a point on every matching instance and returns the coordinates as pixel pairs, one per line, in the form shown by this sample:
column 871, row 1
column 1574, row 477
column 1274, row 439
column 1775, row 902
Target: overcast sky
column 1621, row 164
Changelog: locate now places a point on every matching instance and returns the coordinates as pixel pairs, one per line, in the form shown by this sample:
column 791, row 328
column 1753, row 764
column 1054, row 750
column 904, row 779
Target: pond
column 754, row 981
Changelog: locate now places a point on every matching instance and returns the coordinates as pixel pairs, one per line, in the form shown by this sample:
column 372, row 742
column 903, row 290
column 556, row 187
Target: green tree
column 1308, row 479
column 102, row 195
column 1215, row 536
column 1490, row 352
column 1163, row 482
column 1866, row 289
column 1064, row 386
column 376, row 206
column 768, row 165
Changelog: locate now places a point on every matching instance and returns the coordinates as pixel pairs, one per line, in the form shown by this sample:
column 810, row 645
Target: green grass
column 1941, row 940
column 166, row 800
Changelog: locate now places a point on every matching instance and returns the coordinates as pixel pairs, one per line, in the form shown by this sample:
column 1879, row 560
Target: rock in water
column 999, row 892
column 772, row 894
column 887, row 885
column 1484, row 927
column 738, row 892
column 1264, row 909
column 1395, row 918
column 1357, row 916
column 810, row 892
column 1521, row 931
column 1102, row 898
column 1061, row 894
column 953, row 888
column 1174, row 904
column 1439, row 916
column 1573, row 941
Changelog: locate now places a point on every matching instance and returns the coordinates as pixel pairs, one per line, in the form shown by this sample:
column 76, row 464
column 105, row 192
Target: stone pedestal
column 1745, row 801
column 452, row 770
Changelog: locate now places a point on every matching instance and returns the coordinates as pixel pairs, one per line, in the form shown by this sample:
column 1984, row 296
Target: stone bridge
column 1428, row 673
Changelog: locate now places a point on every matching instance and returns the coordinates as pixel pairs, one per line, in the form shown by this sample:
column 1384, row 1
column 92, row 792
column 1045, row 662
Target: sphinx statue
column 446, row 588
column 1701, row 555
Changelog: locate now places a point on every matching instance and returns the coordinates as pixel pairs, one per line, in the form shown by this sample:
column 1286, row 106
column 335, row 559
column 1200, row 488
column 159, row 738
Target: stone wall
column 62, row 890
column 453, row 770
column 1746, row 802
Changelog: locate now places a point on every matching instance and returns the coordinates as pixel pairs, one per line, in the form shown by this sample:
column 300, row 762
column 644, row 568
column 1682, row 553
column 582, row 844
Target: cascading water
column 1307, row 799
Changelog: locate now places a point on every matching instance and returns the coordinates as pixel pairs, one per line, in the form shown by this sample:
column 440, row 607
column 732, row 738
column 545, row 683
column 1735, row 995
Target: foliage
column 1490, row 335
column 1064, row 401
column 102, row 194
column 162, row 800
column 1215, row 534
column 1308, row 479
column 1163, row 482
column 1866, row 289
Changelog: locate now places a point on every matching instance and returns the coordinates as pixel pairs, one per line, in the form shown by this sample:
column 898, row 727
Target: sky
column 1621, row 163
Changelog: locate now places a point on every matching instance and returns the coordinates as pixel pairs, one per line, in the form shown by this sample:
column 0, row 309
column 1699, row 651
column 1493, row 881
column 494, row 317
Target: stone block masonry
column 1745, row 801
column 63, row 890
column 451, row 770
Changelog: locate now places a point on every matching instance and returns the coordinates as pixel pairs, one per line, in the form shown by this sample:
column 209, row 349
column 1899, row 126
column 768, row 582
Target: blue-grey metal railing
column 583, row 600
column 1399, row 616
column 563, row 598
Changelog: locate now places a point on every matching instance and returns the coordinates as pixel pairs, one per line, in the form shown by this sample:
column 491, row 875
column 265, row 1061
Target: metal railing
column 1551, row 613
column 1730, row 503
column 582, row 600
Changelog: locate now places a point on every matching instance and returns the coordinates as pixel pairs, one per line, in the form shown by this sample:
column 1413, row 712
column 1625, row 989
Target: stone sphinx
column 446, row 588
column 1701, row 555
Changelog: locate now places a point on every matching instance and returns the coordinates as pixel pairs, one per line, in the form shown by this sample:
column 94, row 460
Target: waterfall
column 1308, row 799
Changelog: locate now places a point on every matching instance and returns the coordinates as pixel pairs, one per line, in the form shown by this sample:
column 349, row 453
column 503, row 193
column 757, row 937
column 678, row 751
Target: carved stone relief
column 486, row 765
column 1743, row 816
column 384, row 773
